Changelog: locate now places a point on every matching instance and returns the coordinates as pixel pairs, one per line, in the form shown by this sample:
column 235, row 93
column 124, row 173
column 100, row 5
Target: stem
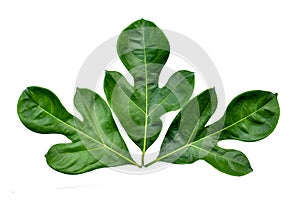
column 139, row 166
column 152, row 162
column 167, row 155
column 143, row 159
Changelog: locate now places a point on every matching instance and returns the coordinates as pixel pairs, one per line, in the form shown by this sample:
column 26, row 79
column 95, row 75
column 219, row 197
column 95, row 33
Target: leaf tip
column 106, row 72
column 246, row 171
column 30, row 88
column 212, row 92
column 213, row 89
column 250, row 169
column 78, row 89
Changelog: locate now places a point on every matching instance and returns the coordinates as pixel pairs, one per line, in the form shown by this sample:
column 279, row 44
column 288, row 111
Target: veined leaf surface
column 144, row 49
column 251, row 116
column 96, row 141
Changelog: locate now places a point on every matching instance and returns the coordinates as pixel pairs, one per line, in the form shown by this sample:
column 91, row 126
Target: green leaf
column 251, row 116
column 96, row 141
column 144, row 49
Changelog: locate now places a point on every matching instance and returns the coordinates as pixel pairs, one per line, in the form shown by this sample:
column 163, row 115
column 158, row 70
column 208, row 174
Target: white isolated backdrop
column 254, row 45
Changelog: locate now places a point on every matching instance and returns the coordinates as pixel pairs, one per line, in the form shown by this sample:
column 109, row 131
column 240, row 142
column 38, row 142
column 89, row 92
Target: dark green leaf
column 144, row 49
column 249, row 117
column 96, row 142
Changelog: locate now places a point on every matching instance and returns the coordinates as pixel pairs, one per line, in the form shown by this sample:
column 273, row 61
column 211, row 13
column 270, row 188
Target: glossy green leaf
column 144, row 49
column 251, row 116
column 95, row 141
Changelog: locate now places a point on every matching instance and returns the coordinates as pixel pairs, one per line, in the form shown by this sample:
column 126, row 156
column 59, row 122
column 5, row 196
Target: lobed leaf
column 251, row 116
column 96, row 141
column 144, row 49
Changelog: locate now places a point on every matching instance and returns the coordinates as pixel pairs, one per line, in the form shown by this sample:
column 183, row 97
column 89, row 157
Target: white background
column 254, row 45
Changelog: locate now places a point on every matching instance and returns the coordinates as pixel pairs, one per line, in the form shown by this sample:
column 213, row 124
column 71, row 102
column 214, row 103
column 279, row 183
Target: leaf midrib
column 217, row 155
column 98, row 128
column 146, row 98
column 74, row 152
column 198, row 121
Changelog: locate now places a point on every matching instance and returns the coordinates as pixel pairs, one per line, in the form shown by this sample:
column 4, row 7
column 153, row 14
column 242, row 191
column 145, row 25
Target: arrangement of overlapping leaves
column 95, row 141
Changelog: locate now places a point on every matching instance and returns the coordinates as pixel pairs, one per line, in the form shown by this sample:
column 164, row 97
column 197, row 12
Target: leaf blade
column 34, row 111
column 144, row 49
column 229, row 161
column 204, row 145
column 254, row 119
column 95, row 152
column 135, row 48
